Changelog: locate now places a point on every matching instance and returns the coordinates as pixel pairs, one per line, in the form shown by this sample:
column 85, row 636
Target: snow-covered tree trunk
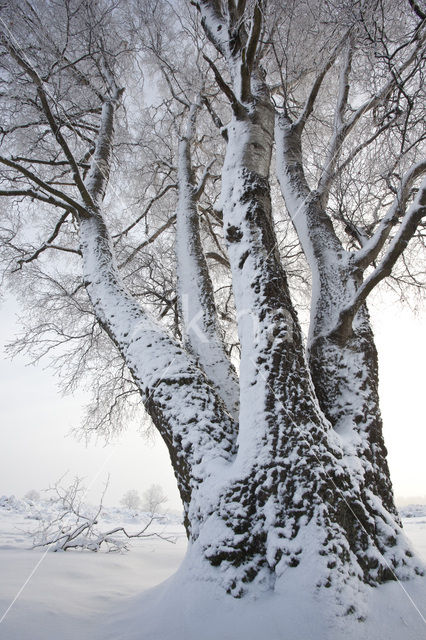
column 202, row 334
column 344, row 367
column 297, row 493
column 288, row 490
column 191, row 419
column 282, row 473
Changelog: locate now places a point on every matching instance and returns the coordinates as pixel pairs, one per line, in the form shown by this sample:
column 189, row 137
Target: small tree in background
column 131, row 499
column 32, row 495
column 153, row 498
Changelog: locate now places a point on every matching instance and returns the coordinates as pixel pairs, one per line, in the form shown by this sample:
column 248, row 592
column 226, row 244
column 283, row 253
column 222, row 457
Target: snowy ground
column 86, row 596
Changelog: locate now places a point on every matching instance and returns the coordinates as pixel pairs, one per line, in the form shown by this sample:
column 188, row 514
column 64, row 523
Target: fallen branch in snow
column 76, row 528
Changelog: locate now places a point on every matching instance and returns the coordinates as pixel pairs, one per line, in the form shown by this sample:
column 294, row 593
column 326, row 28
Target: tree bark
column 344, row 368
column 201, row 329
column 291, row 490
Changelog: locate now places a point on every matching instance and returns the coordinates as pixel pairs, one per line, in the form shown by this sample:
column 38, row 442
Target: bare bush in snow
column 131, row 499
column 77, row 526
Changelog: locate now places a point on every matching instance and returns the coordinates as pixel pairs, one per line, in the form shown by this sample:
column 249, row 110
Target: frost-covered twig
column 76, row 528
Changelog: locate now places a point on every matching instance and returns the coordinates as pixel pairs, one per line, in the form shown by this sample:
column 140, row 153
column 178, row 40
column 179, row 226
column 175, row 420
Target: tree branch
column 363, row 145
column 213, row 23
column 146, row 211
column 374, row 245
column 397, row 246
column 54, row 126
column 216, row 120
column 310, row 101
column 254, row 36
column 150, row 240
column 236, row 105
column 44, row 185
column 417, row 10
column 53, row 163
column 381, row 95
column 33, row 194
column 213, row 255
column 342, row 129
column 199, row 188
column 48, row 242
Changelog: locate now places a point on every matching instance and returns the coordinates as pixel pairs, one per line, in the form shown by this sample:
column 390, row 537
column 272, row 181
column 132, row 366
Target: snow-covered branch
column 49, row 243
column 339, row 131
column 76, row 526
column 97, row 177
column 33, row 195
column 146, row 210
column 214, row 24
column 374, row 245
column 342, row 128
column 309, row 218
column 61, row 196
column 152, row 238
column 175, row 392
column 312, row 96
column 406, row 231
column 236, row 105
column 54, row 126
column 195, row 290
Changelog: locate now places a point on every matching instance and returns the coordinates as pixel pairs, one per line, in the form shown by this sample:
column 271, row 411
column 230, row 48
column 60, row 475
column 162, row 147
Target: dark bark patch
column 233, row 234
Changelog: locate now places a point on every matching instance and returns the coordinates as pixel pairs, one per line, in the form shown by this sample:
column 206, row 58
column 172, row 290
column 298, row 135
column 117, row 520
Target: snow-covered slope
column 94, row 596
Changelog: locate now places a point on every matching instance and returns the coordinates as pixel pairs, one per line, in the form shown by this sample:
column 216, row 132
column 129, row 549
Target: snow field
column 110, row 596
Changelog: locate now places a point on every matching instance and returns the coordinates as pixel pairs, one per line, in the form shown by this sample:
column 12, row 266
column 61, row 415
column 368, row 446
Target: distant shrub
column 32, row 495
column 153, row 498
column 131, row 499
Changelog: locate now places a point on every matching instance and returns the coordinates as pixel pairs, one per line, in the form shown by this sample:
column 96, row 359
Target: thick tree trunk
column 344, row 368
column 191, row 418
column 284, row 495
column 346, row 382
column 290, row 494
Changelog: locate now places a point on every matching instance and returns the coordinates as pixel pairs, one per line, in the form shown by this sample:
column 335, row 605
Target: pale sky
column 35, row 449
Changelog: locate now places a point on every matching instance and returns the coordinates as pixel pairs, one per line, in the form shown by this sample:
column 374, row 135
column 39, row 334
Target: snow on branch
column 254, row 36
column 213, row 23
column 342, row 127
column 195, row 290
column 60, row 198
column 372, row 248
column 310, row 101
column 49, row 243
column 381, row 95
column 76, row 525
column 54, row 126
column 145, row 212
column 238, row 46
column 236, row 105
column 338, row 126
column 34, row 195
column 199, row 188
column 149, row 240
column 399, row 242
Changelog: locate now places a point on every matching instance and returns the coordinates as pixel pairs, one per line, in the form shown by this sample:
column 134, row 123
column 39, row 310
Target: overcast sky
column 35, row 448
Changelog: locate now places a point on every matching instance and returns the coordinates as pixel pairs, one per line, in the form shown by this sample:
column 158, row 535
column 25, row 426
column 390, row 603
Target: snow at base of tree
column 104, row 596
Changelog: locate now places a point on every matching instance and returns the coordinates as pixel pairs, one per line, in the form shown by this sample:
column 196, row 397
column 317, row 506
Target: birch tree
column 285, row 461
